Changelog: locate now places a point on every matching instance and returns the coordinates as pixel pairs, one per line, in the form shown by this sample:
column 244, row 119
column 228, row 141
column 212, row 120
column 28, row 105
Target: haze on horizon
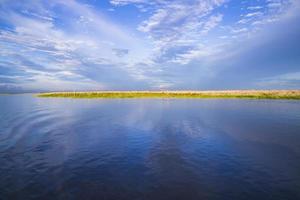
column 140, row 44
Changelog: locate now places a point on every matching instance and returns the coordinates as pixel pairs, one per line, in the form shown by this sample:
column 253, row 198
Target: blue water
column 117, row 149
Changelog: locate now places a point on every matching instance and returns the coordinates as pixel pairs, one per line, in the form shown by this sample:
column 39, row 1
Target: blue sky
column 143, row 44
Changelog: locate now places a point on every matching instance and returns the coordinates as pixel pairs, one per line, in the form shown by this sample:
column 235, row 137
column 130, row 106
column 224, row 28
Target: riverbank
column 249, row 94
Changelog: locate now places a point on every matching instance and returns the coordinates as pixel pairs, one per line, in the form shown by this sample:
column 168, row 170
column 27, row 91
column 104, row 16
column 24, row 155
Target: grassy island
column 249, row 94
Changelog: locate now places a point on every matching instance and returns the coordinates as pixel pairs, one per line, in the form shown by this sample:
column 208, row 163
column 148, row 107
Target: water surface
column 53, row 148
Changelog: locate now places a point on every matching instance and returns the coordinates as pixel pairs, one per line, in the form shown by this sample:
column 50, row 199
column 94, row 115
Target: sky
column 61, row 45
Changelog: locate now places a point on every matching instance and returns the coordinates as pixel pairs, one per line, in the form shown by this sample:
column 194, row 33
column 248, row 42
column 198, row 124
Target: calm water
column 149, row 149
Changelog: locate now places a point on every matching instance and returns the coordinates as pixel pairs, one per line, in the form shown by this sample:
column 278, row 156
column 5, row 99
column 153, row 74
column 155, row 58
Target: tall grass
column 250, row 94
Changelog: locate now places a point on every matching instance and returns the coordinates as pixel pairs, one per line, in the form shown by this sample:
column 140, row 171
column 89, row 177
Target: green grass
column 249, row 94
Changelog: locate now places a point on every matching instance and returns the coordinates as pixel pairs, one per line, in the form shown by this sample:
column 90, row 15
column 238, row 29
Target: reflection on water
column 149, row 149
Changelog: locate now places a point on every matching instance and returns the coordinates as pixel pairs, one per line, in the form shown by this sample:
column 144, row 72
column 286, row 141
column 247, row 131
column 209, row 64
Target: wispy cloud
column 69, row 44
column 65, row 52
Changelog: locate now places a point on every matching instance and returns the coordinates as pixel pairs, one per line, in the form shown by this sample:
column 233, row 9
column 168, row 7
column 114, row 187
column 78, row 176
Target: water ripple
column 143, row 149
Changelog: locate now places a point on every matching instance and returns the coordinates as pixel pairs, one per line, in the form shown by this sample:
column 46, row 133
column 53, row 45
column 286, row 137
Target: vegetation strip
column 250, row 94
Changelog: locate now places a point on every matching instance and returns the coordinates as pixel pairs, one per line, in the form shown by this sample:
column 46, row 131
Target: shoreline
column 242, row 94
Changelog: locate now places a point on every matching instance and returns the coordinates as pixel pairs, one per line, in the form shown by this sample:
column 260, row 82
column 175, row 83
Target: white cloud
column 241, row 30
column 84, row 44
column 254, row 7
column 90, row 40
column 125, row 2
column 177, row 25
column 212, row 22
column 254, row 14
column 181, row 30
